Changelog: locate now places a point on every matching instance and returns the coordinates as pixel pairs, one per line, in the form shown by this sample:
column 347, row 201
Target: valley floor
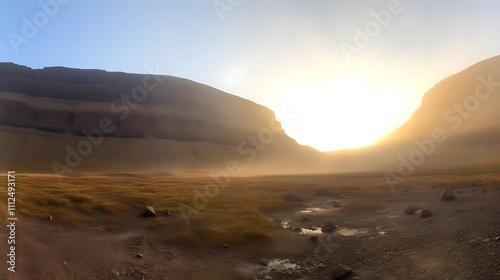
column 374, row 236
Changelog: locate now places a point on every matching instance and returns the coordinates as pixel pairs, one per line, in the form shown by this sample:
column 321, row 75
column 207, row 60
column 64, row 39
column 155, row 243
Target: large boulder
column 447, row 195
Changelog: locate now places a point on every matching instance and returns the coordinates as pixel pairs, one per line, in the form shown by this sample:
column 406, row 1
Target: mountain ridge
column 171, row 113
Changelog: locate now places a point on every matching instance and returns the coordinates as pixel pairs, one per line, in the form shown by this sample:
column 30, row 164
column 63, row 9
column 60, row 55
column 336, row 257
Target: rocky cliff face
column 458, row 123
column 49, row 116
column 463, row 103
column 61, row 100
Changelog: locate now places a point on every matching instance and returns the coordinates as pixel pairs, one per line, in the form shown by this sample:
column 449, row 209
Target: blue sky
column 282, row 54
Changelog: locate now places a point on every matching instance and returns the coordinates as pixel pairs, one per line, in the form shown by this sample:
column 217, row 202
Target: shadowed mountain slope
column 458, row 123
column 133, row 123
column 67, row 120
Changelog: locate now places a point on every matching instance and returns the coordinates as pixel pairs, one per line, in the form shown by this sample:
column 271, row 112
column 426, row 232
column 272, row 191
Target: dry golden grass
column 237, row 214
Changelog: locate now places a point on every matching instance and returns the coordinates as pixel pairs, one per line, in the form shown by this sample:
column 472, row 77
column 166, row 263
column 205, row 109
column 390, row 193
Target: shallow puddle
column 280, row 265
column 312, row 230
column 309, row 210
column 351, row 232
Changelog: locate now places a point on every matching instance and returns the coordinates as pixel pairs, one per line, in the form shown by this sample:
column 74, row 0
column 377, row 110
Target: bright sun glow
column 343, row 113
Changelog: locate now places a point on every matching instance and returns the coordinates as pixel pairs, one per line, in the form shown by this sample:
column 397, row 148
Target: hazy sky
column 309, row 58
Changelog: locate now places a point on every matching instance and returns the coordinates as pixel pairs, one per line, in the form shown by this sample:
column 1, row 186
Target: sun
column 347, row 112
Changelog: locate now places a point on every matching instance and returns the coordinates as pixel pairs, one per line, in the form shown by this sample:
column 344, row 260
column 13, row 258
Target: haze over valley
column 249, row 140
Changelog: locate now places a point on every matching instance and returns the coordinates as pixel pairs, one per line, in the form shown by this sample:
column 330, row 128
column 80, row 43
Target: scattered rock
column 497, row 238
column 336, row 204
column 139, row 255
column 447, row 195
column 328, row 227
column 149, row 211
column 341, row 272
column 425, row 214
column 296, row 229
column 293, row 197
column 225, row 246
column 51, row 218
column 314, row 238
column 167, row 213
column 411, row 210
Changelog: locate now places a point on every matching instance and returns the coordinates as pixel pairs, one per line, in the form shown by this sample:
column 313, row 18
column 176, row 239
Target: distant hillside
column 466, row 102
column 71, row 120
column 458, row 123
column 134, row 123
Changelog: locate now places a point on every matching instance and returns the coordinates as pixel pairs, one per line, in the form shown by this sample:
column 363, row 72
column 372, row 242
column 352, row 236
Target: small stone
column 225, row 246
column 336, row 204
column 411, row 210
column 167, row 213
column 328, row 227
column 425, row 214
column 51, row 218
column 447, row 195
column 497, row 238
column 149, row 211
column 314, row 238
column 296, row 229
column 139, row 255
column 341, row 272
